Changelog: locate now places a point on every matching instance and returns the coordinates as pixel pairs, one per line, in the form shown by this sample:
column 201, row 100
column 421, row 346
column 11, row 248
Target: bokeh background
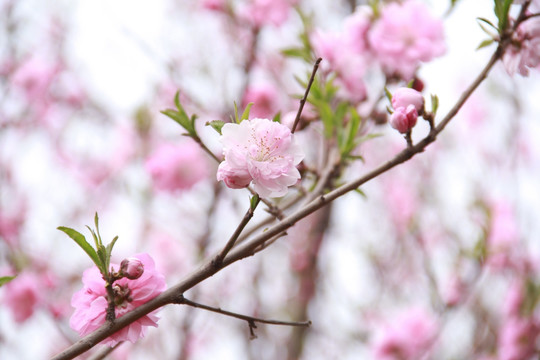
column 82, row 84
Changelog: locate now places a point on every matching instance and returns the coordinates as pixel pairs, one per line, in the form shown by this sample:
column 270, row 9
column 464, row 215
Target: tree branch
column 174, row 294
column 247, row 318
column 304, row 99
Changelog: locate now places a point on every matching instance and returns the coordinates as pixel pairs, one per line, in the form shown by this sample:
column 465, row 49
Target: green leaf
column 109, row 251
column 81, row 241
column 254, row 201
column 236, row 119
column 5, row 279
column 96, row 239
column 434, row 104
column 352, row 129
column 481, row 20
column 245, row 114
column 388, row 94
column 297, row 52
column 277, row 118
column 181, row 120
column 216, row 125
column 502, row 7
column 485, row 43
column 359, row 191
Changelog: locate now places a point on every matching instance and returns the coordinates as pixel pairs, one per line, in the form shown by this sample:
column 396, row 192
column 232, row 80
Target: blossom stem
column 304, row 99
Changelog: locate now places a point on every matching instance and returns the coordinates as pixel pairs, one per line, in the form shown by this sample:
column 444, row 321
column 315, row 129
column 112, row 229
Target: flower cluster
column 404, row 36
column 261, row 152
column 91, row 303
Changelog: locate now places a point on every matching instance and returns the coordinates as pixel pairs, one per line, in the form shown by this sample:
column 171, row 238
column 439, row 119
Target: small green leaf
column 236, row 119
column 388, row 94
column 5, row 279
column 277, row 118
column 485, row 43
column 216, row 125
column 245, row 114
column 97, row 241
column 359, row 191
column 434, row 104
column 176, row 116
column 109, row 251
column 81, row 241
column 254, row 201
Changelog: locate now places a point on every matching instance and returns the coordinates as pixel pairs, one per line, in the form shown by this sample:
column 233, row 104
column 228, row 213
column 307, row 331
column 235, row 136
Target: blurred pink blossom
column 518, row 338
column 23, row 295
column 34, row 77
column 401, row 200
column 503, row 235
column 260, row 151
column 214, row 5
column 346, row 53
column 265, row 99
column 11, row 224
column 406, row 35
column 524, row 51
column 410, row 337
column 90, row 302
column 177, row 167
column 265, row 12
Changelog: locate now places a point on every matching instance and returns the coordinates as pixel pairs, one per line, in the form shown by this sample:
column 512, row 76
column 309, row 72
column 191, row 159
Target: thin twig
column 247, row 217
column 304, row 99
column 249, row 319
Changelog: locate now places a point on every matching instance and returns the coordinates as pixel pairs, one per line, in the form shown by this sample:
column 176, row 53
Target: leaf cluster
column 101, row 254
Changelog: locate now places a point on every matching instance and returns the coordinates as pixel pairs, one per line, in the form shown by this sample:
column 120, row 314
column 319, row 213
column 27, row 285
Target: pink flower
column 34, row 78
column 262, row 152
column 264, row 12
column 404, row 119
column 214, row 5
column 410, row 337
column 23, row 295
column 346, row 53
column 524, row 52
column 404, row 36
column 177, row 167
column 403, row 97
column 517, row 339
column 265, row 99
column 90, row 302
column 132, row 268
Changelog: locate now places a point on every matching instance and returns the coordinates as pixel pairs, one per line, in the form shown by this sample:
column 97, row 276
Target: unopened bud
column 403, row 97
column 131, row 268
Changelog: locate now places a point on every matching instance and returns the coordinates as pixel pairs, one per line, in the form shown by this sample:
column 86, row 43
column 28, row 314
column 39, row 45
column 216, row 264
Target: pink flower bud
column 403, row 97
column 404, row 119
column 131, row 268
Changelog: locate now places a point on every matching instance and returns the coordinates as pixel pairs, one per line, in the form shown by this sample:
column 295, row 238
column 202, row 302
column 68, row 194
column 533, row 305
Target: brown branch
column 247, row 318
column 304, row 99
column 218, row 260
column 174, row 294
